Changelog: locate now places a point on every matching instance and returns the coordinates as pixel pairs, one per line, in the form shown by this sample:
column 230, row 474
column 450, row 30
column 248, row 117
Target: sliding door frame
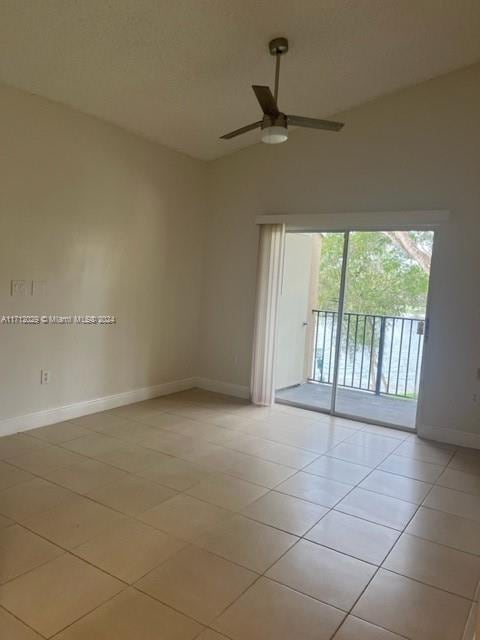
column 395, row 221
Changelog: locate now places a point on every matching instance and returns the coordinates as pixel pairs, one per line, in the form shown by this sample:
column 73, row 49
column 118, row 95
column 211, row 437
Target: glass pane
column 383, row 325
column 308, row 317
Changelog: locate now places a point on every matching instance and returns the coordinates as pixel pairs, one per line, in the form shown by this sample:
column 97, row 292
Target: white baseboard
column 68, row 412
column 450, row 436
column 227, row 388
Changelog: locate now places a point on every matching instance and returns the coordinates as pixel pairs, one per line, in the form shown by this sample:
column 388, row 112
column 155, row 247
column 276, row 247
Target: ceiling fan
column 274, row 124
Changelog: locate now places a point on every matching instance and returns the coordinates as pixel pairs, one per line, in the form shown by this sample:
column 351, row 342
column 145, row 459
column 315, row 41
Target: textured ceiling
column 179, row 71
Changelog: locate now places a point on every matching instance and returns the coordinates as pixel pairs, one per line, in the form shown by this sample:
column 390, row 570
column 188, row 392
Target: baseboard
column 68, row 412
column 227, row 388
column 450, row 436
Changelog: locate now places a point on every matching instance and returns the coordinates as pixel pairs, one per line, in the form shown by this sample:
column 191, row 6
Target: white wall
column 114, row 224
column 417, row 149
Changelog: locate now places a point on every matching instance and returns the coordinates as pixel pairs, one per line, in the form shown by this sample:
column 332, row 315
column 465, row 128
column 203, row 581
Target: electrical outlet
column 44, row 377
column 19, row 288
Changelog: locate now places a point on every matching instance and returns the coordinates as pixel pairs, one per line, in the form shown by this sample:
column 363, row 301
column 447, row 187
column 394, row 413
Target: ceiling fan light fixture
column 274, row 122
column 274, row 135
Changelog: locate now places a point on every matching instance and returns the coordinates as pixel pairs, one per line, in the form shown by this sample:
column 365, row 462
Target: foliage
column 382, row 278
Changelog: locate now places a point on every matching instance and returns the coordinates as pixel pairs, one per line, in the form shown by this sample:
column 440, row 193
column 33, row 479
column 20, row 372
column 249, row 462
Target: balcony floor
column 361, row 404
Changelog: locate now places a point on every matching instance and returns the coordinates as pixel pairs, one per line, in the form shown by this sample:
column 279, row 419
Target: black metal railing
column 380, row 354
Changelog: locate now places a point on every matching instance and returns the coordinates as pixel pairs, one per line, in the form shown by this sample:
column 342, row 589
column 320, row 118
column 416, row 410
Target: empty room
column 239, row 320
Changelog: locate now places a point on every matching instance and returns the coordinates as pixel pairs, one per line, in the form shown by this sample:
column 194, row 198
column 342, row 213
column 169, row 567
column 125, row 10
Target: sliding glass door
column 383, row 325
column 366, row 324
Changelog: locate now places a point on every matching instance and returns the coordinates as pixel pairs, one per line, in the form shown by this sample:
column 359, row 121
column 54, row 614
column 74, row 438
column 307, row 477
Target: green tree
column 387, row 272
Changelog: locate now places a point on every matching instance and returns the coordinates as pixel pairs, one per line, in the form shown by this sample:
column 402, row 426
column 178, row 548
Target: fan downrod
column 278, row 46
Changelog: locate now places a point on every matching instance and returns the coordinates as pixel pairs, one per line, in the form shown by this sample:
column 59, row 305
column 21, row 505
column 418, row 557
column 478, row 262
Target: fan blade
column 314, row 123
column 237, row 132
column 266, row 100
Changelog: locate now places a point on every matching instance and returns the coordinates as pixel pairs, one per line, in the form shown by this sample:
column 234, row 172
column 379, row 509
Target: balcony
column 379, row 366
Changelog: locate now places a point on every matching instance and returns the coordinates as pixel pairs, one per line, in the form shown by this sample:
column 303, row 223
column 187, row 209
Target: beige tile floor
column 199, row 516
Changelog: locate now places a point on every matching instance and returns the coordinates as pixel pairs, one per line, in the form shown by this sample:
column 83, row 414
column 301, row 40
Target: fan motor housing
column 280, row 120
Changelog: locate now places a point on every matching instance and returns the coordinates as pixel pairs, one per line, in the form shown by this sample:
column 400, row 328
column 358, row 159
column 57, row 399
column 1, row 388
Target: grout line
column 22, row 622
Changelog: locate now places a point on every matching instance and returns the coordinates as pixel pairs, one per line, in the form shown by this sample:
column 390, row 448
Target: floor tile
column 425, row 451
column 84, row 476
column 412, row 609
column 250, row 444
column 57, row 593
column 285, row 512
column 97, row 421
column 436, row 565
column 456, row 502
column 195, row 412
column 375, row 507
column 92, row 445
column 208, row 634
column 210, row 456
column 355, row 629
column 204, row 430
column 288, row 456
column 185, row 517
column 461, row 481
column 169, row 443
column 338, row 470
column 396, row 486
column 44, row 460
column 21, row 551
column 354, row 536
column 129, row 549
column 130, row 457
column 446, row 528
column 13, row 629
column 374, row 441
column 131, row 615
column 59, row 432
column 467, row 461
column 197, row 583
column 175, row 473
column 228, row 420
column 388, row 432
column 131, row 495
column 136, row 411
column 322, row 573
column 265, row 473
column 248, row 543
column 316, row 489
column 127, row 430
column 26, row 499
column 18, row 444
column 357, row 454
column 411, row 468
column 227, row 492
column 10, row 475
column 271, row 611
column 73, row 522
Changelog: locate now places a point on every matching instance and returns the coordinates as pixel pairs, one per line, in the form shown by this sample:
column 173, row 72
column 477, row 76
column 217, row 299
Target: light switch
column 39, row 287
column 20, row 288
